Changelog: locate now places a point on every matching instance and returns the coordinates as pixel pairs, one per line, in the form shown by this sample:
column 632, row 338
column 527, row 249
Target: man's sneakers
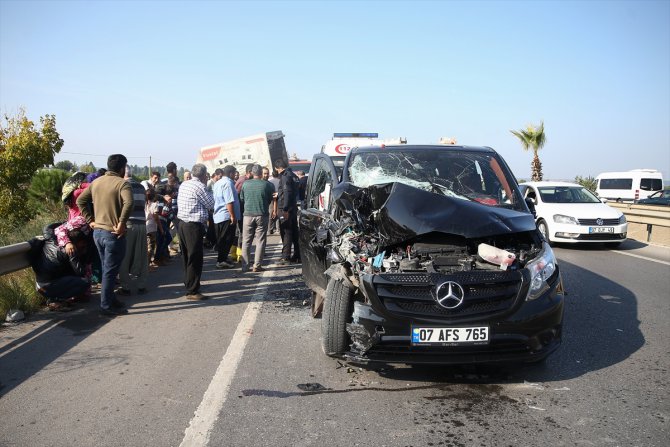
column 113, row 312
column 224, row 265
column 196, row 296
column 283, row 261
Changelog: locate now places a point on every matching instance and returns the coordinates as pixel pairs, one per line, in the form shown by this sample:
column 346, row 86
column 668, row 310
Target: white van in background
column 628, row 186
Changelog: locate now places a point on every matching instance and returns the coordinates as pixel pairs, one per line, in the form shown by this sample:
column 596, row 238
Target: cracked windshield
column 463, row 175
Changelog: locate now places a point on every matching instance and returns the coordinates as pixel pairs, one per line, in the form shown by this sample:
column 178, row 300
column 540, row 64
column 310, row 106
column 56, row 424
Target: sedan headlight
column 541, row 269
column 559, row 218
column 622, row 220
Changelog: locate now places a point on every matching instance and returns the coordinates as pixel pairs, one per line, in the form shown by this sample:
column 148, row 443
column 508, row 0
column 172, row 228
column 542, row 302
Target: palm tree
column 533, row 138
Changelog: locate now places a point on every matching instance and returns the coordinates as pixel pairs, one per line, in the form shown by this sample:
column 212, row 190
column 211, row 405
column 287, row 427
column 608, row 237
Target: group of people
column 242, row 207
column 117, row 227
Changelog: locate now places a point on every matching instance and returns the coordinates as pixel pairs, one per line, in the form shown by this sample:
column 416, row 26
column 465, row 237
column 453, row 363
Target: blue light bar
column 355, row 135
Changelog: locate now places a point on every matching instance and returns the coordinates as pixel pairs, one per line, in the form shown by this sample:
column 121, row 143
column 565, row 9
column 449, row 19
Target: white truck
column 262, row 149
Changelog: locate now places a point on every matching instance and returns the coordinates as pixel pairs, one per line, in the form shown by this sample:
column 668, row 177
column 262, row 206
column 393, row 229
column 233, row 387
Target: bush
column 587, row 182
column 46, row 188
column 21, row 233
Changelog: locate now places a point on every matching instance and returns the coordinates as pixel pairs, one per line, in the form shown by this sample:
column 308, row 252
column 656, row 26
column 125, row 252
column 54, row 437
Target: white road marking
column 198, row 432
column 641, row 257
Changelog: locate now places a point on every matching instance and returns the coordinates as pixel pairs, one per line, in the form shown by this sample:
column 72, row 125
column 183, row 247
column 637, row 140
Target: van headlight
column 561, row 219
column 622, row 220
column 541, row 268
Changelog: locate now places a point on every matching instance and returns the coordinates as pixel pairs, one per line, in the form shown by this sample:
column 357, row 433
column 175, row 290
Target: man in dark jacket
column 60, row 276
column 287, row 208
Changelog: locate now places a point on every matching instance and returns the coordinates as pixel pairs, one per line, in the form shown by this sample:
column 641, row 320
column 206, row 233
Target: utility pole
column 149, row 166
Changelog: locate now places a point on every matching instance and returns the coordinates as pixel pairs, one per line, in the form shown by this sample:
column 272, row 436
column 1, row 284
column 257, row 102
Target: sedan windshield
column 474, row 176
column 567, row 194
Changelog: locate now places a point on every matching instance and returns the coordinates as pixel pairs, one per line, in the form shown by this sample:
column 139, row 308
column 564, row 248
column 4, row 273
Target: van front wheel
column 337, row 311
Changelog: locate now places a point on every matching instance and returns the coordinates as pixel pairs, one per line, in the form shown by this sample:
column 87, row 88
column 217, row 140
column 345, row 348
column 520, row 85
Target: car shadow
column 628, row 244
column 601, row 328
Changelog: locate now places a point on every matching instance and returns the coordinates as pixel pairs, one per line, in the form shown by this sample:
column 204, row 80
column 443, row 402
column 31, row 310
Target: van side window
column 651, row 184
column 616, row 183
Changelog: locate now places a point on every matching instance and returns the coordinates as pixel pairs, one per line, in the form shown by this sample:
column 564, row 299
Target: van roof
column 632, row 171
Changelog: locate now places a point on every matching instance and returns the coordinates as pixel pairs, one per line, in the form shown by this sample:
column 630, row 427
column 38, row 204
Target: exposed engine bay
column 433, row 253
column 393, row 228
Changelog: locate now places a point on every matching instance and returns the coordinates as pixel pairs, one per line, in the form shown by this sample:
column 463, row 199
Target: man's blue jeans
column 112, row 250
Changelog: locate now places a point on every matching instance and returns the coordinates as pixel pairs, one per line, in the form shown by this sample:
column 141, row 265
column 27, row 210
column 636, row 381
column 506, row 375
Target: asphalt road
column 246, row 368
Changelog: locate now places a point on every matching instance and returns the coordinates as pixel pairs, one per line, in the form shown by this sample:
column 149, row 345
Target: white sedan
column 570, row 213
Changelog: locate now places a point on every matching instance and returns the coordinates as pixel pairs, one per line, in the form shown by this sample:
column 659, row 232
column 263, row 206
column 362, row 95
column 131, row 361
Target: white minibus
column 628, row 186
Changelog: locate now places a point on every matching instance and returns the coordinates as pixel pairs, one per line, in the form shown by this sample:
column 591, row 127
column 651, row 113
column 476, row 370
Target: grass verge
column 17, row 290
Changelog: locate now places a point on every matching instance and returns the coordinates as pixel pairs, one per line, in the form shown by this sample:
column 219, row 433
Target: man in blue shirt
column 226, row 215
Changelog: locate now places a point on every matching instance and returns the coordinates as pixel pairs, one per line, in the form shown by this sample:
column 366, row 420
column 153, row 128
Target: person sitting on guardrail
column 61, row 274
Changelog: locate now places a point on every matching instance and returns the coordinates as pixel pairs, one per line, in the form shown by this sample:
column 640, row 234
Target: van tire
column 337, row 311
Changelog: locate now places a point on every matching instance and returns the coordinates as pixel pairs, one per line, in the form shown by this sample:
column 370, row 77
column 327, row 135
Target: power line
column 96, row 155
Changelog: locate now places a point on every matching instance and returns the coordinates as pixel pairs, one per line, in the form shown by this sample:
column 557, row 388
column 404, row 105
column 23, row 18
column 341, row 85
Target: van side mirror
column 531, row 206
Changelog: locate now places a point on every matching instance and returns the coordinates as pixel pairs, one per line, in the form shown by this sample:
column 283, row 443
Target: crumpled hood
column 400, row 212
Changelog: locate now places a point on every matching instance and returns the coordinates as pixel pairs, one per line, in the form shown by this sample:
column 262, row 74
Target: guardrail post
column 649, row 227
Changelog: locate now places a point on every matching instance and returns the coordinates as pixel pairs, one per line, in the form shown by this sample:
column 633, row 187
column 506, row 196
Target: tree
column 88, row 168
column 46, row 187
column 65, row 165
column 533, row 138
column 589, row 183
column 23, row 149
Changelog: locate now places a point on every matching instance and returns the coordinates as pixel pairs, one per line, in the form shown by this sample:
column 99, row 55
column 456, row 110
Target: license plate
column 601, row 229
column 450, row 336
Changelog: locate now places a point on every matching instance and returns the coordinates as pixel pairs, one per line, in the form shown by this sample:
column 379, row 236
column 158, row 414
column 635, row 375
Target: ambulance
column 339, row 146
column 337, row 149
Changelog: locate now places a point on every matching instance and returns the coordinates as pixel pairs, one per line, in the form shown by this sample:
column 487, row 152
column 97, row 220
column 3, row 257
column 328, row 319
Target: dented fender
column 341, row 273
column 363, row 328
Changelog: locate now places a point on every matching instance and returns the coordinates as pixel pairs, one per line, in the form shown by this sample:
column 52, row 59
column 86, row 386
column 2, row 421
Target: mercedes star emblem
column 449, row 295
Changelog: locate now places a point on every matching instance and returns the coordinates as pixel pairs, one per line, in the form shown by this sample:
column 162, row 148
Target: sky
column 162, row 79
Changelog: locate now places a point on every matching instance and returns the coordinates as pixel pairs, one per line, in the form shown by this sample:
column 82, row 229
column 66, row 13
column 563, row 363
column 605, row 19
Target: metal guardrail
column 644, row 214
column 14, row 257
column 649, row 215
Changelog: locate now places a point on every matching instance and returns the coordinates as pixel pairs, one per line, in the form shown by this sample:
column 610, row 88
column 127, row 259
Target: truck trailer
column 262, row 149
